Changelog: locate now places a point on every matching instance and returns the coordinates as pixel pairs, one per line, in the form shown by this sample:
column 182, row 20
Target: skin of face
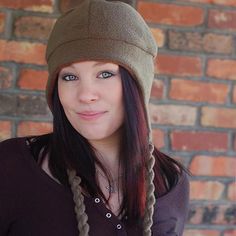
column 91, row 95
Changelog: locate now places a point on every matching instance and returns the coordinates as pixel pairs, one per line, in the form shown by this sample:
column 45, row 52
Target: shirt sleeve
column 171, row 210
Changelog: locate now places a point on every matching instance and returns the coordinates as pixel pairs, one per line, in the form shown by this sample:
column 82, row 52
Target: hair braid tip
column 78, row 198
column 150, row 201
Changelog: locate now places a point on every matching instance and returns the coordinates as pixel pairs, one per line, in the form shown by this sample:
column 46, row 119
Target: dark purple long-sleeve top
column 33, row 204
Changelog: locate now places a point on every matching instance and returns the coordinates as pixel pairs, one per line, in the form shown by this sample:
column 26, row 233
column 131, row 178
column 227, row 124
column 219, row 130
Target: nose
column 87, row 92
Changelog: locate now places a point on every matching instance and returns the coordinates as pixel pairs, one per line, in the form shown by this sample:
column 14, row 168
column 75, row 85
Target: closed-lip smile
column 90, row 115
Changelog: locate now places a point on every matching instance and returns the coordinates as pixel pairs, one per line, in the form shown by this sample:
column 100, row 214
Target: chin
column 100, row 135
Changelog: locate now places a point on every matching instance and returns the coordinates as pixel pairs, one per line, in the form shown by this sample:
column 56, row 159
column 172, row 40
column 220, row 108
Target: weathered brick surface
column 217, row 2
column 221, row 69
column 199, row 141
column 67, row 4
column 5, row 130
column 221, row 214
column 198, row 91
column 33, row 128
column 231, row 232
column 235, row 142
column 32, row 5
column 225, row 20
column 157, row 89
column 206, row 190
column 171, row 14
column 201, row 232
column 232, row 191
column 198, row 42
column 179, row 65
column 172, row 115
column 23, row 52
column 159, row 36
column 2, row 22
column 234, row 94
column 32, row 79
column 26, row 105
column 218, row 117
column 33, row 27
column 6, row 77
column 213, row 166
column 158, row 138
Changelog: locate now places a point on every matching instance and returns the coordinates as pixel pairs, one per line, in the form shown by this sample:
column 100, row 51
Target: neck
column 108, row 153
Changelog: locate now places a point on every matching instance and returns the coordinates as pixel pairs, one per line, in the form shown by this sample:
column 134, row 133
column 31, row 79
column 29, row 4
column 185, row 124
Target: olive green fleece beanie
column 101, row 30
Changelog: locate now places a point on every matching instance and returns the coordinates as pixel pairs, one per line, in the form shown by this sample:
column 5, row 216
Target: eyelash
column 71, row 77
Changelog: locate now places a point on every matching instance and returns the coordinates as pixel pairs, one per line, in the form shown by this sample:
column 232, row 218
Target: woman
column 98, row 172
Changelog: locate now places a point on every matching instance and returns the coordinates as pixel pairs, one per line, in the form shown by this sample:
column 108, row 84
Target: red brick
column 217, row 43
column 235, row 142
column 179, row 65
column 33, row 79
column 172, row 114
column 217, row 2
column 171, row 14
column 159, row 36
column 32, row 5
column 232, row 191
column 198, row 42
column 221, row 69
column 157, row 89
column 6, row 78
column 199, row 141
column 206, row 190
column 33, row 27
column 213, row 166
column 201, row 232
column 2, row 22
column 234, row 94
column 231, row 232
column 198, row 91
column 5, row 130
column 68, row 4
column 222, row 19
column 22, row 52
column 158, row 138
column 218, row 117
column 33, row 128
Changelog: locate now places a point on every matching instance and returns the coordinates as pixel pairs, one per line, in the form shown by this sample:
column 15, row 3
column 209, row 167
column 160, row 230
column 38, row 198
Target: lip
column 90, row 115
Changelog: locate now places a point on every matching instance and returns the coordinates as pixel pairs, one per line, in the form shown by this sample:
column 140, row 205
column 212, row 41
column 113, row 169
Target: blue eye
column 69, row 77
column 106, row 75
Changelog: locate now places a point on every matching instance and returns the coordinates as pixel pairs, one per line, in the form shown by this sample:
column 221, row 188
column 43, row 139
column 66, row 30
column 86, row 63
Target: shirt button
column 118, row 226
column 97, row 200
column 108, row 215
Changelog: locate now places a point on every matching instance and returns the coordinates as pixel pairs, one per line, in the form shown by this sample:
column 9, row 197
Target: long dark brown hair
column 68, row 149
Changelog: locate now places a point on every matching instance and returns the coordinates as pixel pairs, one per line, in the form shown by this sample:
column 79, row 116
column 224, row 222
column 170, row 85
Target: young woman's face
column 91, row 95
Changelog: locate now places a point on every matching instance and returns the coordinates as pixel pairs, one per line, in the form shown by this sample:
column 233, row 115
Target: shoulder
column 13, row 154
column 178, row 192
column 11, row 147
column 171, row 209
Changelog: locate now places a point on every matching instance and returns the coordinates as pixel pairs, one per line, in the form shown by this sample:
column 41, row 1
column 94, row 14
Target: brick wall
column 193, row 98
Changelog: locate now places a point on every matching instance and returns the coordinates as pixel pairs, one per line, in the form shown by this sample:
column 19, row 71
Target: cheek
column 65, row 97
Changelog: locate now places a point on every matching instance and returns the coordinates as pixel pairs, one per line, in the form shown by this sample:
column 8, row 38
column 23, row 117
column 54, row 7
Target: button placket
column 97, row 200
column 118, row 226
column 108, row 215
